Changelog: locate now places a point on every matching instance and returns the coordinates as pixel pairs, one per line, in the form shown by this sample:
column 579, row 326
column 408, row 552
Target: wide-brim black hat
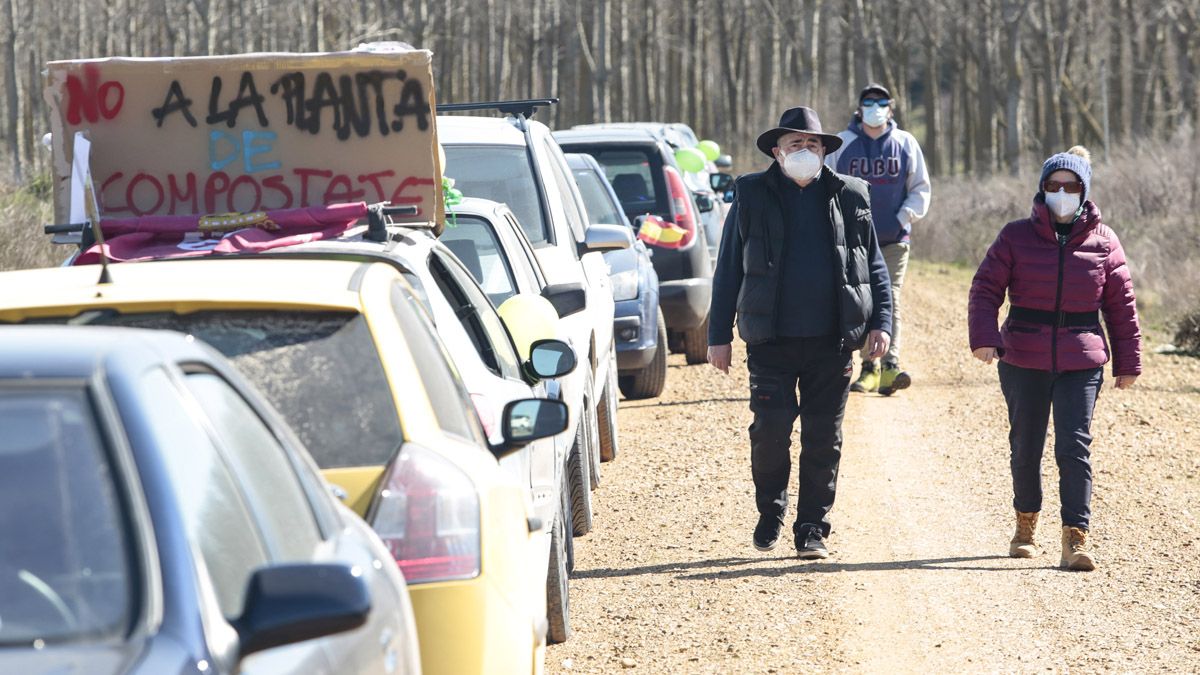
column 803, row 120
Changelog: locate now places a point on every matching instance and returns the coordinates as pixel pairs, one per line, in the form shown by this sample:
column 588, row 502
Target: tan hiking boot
column 1076, row 552
column 1022, row 544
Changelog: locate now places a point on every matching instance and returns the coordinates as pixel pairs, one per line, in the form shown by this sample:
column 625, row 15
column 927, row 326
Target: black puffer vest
column 763, row 229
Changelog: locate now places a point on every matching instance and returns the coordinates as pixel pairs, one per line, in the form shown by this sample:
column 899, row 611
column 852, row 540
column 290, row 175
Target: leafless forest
column 989, row 87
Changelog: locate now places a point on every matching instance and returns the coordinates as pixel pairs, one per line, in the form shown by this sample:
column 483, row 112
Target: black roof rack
column 522, row 109
column 379, row 217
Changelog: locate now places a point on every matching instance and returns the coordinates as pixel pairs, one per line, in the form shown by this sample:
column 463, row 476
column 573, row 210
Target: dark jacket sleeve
column 727, row 281
column 881, row 286
column 1120, row 312
column 988, row 288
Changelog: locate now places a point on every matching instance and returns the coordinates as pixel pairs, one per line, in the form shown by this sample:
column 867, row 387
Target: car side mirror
column 550, row 358
column 720, row 182
column 704, row 203
column 567, row 298
column 286, row 604
column 606, row 238
column 527, row 420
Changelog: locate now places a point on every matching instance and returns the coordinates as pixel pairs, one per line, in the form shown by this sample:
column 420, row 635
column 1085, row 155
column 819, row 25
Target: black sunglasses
column 881, row 102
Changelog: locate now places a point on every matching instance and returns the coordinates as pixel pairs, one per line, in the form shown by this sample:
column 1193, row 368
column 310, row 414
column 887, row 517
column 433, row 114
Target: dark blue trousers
column 821, row 372
column 1031, row 396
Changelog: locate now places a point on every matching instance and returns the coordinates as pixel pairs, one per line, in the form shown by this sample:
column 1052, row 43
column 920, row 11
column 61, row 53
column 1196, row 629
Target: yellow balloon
column 529, row 317
column 710, row 149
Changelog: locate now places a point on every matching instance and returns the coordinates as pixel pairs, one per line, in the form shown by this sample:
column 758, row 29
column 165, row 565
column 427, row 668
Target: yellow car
column 345, row 351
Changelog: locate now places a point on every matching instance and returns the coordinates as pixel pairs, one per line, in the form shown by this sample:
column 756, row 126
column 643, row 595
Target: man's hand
column 985, row 354
column 877, row 344
column 1126, row 381
column 720, row 356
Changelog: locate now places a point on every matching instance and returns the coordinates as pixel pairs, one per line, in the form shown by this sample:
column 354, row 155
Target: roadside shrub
column 22, row 215
column 1187, row 336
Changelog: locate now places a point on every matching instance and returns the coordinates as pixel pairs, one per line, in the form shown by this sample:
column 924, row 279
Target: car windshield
column 600, row 206
column 64, row 562
column 632, row 178
column 319, row 369
column 500, row 173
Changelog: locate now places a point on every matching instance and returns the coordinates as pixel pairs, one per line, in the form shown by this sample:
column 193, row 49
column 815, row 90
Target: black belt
column 1049, row 318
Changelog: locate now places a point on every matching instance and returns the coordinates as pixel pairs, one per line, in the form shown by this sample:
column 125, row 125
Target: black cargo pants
column 821, row 372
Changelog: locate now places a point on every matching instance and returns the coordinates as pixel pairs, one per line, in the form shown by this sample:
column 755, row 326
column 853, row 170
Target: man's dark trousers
column 821, row 371
column 1031, row 395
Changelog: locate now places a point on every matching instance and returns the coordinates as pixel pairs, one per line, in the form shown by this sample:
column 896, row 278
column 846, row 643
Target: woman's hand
column 1126, row 381
column 985, row 354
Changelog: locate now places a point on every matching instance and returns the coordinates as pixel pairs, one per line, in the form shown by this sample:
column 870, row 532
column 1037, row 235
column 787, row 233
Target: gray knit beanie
column 1076, row 160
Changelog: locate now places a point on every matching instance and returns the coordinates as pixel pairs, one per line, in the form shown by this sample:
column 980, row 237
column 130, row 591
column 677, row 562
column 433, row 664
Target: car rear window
column 636, row 177
column 500, row 173
column 599, row 204
column 319, row 369
column 64, row 563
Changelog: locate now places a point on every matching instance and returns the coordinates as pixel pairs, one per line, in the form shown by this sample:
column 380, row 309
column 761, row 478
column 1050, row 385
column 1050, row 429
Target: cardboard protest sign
column 248, row 133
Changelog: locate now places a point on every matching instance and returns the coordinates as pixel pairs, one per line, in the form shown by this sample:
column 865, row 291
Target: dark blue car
column 639, row 330
column 156, row 516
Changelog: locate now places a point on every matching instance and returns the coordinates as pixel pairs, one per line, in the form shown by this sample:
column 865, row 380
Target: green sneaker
column 868, row 380
column 892, row 379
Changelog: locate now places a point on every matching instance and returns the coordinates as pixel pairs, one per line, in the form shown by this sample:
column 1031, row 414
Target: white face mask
column 875, row 116
column 802, row 164
column 1062, row 203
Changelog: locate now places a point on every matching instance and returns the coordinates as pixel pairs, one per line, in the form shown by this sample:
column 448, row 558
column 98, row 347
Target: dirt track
column 919, row 580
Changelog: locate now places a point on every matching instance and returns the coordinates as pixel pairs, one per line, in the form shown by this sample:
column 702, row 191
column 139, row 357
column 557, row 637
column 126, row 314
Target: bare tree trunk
column 12, row 103
column 1014, row 18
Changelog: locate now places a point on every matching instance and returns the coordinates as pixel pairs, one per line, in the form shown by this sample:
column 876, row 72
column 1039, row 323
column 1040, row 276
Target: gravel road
column 919, row 580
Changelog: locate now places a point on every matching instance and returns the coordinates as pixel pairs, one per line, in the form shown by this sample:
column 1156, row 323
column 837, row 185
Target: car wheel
column 558, row 603
column 579, row 470
column 675, row 343
column 649, row 381
column 606, row 414
column 695, row 344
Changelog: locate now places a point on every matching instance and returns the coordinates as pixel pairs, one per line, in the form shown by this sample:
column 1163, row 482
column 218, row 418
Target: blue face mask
column 875, row 116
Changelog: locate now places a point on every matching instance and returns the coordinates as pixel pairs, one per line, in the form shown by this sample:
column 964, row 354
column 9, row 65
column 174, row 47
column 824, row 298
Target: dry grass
column 23, row 212
column 1148, row 193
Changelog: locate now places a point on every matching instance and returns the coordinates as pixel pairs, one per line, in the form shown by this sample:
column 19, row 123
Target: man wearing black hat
column 801, row 269
column 891, row 161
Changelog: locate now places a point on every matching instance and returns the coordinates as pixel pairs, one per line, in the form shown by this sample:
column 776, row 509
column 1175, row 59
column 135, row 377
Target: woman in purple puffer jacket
column 1062, row 269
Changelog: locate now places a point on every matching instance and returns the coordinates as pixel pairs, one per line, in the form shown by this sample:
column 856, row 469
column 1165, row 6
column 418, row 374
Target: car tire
column 650, row 381
column 558, row 601
column 675, row 343
column 579, row 473
column 695, row 344
column 606, row 414
column 593, row 448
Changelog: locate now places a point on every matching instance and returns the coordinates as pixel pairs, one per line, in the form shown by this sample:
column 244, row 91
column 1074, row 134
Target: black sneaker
column 810, row 544
column 766, row 533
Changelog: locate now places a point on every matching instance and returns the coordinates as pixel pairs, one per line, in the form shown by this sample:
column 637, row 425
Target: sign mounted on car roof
column 249, row 133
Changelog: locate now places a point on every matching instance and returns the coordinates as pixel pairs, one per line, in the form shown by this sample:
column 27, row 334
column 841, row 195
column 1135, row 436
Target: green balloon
column 690, row 160
column 710, row 149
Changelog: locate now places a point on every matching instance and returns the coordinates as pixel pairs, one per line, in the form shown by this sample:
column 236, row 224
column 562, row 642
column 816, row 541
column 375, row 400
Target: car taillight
column 428, row 516
column 681, row 205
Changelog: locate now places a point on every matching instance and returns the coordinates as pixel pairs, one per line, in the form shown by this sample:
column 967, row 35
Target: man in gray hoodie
column 890, row 160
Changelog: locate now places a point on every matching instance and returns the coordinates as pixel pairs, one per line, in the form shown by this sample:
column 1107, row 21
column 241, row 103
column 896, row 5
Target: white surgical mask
column 1062, row 203
column 875, row 116
column 802, row 164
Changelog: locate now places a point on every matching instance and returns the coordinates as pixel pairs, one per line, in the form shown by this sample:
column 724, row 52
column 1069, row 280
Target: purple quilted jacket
column 1087, row 274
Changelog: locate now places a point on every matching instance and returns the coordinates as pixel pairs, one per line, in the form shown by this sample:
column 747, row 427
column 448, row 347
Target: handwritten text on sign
column 260, row 132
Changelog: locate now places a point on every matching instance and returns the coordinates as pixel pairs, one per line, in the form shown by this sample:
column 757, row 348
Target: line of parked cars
column 367, row 453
